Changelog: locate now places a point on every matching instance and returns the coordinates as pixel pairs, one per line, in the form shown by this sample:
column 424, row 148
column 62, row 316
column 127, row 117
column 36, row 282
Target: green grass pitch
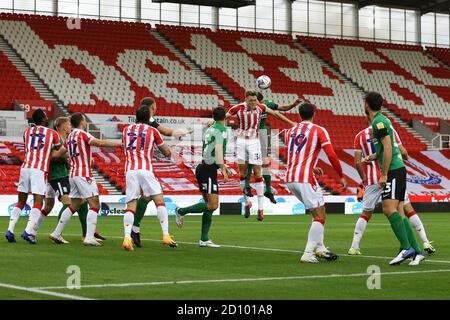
column 258, row 261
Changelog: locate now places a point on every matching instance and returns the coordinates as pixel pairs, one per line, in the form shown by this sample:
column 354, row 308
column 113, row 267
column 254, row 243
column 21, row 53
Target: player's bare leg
column 163, row 218
column 70, row 206
column 360, row 227
column 243, row 171
column 417, row 224
column 15, row 215
column 35, row 214
column 259, row 187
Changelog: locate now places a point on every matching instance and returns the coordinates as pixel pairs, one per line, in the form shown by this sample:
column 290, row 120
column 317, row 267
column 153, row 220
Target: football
column 263, row 82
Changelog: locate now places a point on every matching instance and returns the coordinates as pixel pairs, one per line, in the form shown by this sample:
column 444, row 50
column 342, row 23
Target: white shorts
column 312, row 197
column 83, row 188
column 50, row 192
column 249, row 150
column 141, row 181
column 372, row 195
column 32, row 180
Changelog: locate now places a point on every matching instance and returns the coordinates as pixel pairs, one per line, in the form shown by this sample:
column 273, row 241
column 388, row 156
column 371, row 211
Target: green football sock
column 268, row 180
column 140, row 211
column 196, row 208
column 82, row 214
column 206, row 225
column 64, row 207
column 399, row 229
column 249, row 176
column 411, row 236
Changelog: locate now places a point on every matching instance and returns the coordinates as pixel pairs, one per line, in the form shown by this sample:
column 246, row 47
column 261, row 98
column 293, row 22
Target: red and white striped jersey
column 304, row 142
column 39, row 142
column 78, row 144
column 364, row 142
column 249, row 119
column 139, row 141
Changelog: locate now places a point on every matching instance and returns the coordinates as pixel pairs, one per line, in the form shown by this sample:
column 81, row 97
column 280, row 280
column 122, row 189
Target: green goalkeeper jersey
column 382, row 127
column 215, row 134
column 271, row 105
column 58, row 169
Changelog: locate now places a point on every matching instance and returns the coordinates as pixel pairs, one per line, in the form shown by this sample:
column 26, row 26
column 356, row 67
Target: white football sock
column 418, row 225
column 91, row 220
column 314, row 237
column 163, row 218
column 15, row 215
column 66, row 215
column 259, row 187
column 128, row 220
column 34, row 216
column 135, row 229
column 358, row 233
column 38, row 224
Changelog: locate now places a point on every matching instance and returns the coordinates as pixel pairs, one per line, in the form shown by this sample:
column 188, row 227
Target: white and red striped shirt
column 249, row 119
column 364, row 143
column 304, row 142
column 78, row 144
column 39, row 142
column 139, row 141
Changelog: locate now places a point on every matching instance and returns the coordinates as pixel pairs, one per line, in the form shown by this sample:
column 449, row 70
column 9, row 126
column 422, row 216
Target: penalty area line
column 328, row 276
column 44, row 292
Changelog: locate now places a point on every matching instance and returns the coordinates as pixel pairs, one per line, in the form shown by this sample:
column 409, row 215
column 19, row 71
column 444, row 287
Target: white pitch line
column 345, row 255
column 44, row 292
column 162, row 283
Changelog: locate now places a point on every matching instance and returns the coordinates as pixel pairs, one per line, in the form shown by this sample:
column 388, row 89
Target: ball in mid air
column 263, row 82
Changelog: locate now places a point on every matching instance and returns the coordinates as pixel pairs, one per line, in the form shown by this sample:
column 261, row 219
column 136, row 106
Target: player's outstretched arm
column 279, row 116
column 105, row 143
column 287, row 107
column 174, row 132
column 165, row 150
column 332, row 156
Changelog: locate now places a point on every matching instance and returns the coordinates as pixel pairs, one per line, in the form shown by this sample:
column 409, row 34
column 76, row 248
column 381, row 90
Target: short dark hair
column 307, row 110
column 250, row 92
column 76, row 119
column 39, row 117
column 147, row 101
column 374, row 100
column 142, row 114
column 259, row 96
column 219, row 113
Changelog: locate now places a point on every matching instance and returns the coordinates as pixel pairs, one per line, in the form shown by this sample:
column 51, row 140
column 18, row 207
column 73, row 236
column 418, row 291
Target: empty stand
column 13, row 85
column 405, row 75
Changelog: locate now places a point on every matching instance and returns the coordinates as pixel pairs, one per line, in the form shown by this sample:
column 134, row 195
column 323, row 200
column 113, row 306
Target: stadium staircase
column 33, row 79
column 195, row 67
